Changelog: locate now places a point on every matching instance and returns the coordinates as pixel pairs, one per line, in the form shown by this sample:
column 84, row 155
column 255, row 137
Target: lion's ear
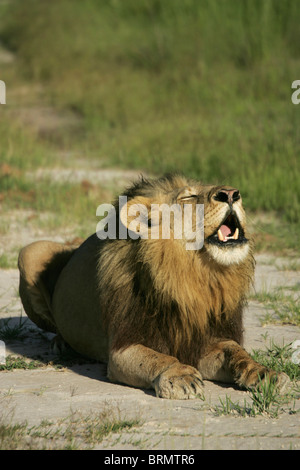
column 135, row 215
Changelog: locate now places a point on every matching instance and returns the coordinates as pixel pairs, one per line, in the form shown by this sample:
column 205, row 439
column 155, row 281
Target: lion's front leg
column 227, row 361
column 143, row 367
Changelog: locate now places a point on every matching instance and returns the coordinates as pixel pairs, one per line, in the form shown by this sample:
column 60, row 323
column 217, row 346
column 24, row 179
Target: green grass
column 265, row 399
column 6, row 262
column 68, row 206
column 20, row 150
column 76, row 432
column 13, row 363
column 199, row 86
column 278, row 358
column 292, row 265
column 9, row 332
column 280, row 306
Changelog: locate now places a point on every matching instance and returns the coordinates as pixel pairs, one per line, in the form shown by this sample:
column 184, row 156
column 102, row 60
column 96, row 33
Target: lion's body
column 166, row 303
column 161, row 316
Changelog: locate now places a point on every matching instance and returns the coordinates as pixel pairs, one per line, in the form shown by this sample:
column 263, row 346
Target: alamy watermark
column 2, row 92
column 296, row 95
column 2, row 353
column 296, row 354
column 159, row 221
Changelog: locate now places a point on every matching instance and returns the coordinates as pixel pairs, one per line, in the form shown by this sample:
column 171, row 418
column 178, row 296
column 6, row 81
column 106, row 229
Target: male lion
column 162, row 316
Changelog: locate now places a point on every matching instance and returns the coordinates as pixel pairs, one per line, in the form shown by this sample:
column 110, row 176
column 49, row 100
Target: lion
column 161, row 316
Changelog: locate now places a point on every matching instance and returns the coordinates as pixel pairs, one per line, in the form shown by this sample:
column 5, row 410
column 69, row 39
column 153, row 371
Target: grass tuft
column 77, row 431
column 9, row 331
column 281, row 307
column 265, row 398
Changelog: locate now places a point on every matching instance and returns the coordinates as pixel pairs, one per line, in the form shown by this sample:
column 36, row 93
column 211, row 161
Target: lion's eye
column 189, row 197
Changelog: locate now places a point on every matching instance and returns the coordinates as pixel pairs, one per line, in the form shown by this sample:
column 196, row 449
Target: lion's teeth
column 220, row 235
column 236, row 234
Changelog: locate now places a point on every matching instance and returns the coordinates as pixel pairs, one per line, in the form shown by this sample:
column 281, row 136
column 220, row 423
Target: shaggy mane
column 156, row 293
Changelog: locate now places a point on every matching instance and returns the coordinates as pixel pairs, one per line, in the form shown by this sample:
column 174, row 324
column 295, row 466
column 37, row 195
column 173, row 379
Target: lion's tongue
column 225, row 230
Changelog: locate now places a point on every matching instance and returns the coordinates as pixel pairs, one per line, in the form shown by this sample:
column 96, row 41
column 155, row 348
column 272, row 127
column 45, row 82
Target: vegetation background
column 198, row 86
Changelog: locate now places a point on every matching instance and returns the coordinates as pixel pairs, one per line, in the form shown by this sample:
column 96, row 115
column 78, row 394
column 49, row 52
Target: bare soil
column 48, row 393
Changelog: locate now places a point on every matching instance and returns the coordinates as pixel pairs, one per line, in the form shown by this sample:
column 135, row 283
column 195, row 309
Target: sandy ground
column 50, row 394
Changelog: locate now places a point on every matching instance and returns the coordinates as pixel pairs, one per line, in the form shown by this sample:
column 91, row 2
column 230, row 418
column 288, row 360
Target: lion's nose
column 228, row 195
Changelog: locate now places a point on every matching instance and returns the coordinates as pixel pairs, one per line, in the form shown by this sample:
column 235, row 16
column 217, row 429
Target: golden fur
column 162, row 316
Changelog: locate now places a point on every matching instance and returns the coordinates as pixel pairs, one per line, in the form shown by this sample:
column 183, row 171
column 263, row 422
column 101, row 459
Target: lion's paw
column 279, row 379
column 282, row 381
column 179, row 382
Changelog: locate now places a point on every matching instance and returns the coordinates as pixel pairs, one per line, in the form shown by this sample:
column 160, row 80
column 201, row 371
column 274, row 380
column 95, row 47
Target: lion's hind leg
column 228, row 362
column 40, row 264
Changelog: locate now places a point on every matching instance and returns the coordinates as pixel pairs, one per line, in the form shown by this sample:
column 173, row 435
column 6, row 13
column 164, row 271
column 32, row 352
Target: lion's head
column 225, row 239
column 146, row 280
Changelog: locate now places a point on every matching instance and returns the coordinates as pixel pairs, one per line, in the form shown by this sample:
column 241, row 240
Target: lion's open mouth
column 229, row 232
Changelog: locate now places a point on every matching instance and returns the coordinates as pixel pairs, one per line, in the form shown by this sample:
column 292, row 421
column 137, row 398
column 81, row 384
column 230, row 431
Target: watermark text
column 2, row 92
column 158, row 221
column 296, row 95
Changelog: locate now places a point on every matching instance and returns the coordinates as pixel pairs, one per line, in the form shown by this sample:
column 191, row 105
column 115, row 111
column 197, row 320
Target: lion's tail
column 40, row 265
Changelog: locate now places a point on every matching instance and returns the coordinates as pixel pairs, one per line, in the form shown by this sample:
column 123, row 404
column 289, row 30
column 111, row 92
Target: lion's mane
column 156, row 293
